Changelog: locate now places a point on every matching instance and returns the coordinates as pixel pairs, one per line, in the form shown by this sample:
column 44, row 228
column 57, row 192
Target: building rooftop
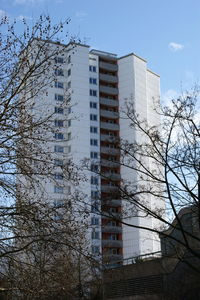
column 103, row 53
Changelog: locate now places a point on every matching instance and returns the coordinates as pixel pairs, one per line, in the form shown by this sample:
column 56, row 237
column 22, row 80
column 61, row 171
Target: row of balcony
column 109, row 163
column 111, row 177
column 108, row 78
column 112, row 202
column 109, row 114
column 111, row 229
column 110, row 258
column 108, row 138
column 109, row 126
column 108, row 90
column 108, row 66
column 111, row 151
column 109, row 188
column 112, row 243
column 110, row 215
column 109, row 102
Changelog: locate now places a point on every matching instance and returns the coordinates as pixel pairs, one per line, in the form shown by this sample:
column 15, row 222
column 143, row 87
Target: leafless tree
column 167, row 165
column 164, row 163
column 43, row 249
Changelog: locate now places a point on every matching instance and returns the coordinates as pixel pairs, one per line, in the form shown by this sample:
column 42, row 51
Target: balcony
column 109, row 102
column 109, row 188
column 110, row 258
column 108, row 66
column 111, row 215
column 111, row 177
column 109, row 114
column 110, row 202
column 108, row 90
column 109, row 163
column 112, row 243
column 108, row 138
column 111, row 229
column 108, row 78
column 108, row 150
column 109, row 126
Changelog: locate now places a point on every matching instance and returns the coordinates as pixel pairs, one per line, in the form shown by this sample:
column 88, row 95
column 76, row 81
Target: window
column 59, row 136
column 58, row 149
column 68, row 188
column 68, row 149
column 93, row 117
column 69, row 59
column 95, row 207
column 59, row 123
column 94, row 154
column 58, row 176
column 94, row 180
column 112, row 184
column 57, row 217
column 59, row 97
column 112, row 223
column 59, row 110
column 112, row 236
column 93, row 142
column 95, row 235
column 93, row 93
column 93, row 80
column 69, row 123
column 111, row 121
column 111, row 158
column 69, row 72
column 94, row 221
column 112, row 251
column 93, row 105
column 93, row 129
column 112, row 209
column 94, row 168
column 112, row 134
column 58, row 162
column 58, row 189
column 69, row 84
column 69, row 110
column 59, row 72
column 59, row 85
column 94, row 194
column 95, row 249
column 58, row 203
column 69, row 136
column 59, row 60
column 92, row 68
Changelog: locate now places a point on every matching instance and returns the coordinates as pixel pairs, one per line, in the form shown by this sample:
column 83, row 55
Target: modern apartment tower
column 98, row 85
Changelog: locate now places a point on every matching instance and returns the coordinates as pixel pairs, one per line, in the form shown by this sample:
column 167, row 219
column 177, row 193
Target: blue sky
column 164, row 32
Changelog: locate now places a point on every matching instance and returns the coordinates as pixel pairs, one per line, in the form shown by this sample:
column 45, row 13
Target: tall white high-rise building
column 98, row 84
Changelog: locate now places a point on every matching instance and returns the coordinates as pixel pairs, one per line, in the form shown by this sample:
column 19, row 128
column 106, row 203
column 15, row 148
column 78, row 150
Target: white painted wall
column 138, row 86
column 126, row 77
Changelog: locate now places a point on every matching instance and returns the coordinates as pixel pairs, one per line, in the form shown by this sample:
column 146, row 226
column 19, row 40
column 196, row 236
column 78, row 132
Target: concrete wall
column 138, row 87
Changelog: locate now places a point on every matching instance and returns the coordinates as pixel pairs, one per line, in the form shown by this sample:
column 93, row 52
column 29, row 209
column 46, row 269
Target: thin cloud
column 27, row 2
column 175, row 46
column 2, row 13
column 22, row 18
column 80, row 14
column 168, row 96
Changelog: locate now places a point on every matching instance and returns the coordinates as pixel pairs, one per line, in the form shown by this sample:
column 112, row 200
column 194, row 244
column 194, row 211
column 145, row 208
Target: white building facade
column 97, row 85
